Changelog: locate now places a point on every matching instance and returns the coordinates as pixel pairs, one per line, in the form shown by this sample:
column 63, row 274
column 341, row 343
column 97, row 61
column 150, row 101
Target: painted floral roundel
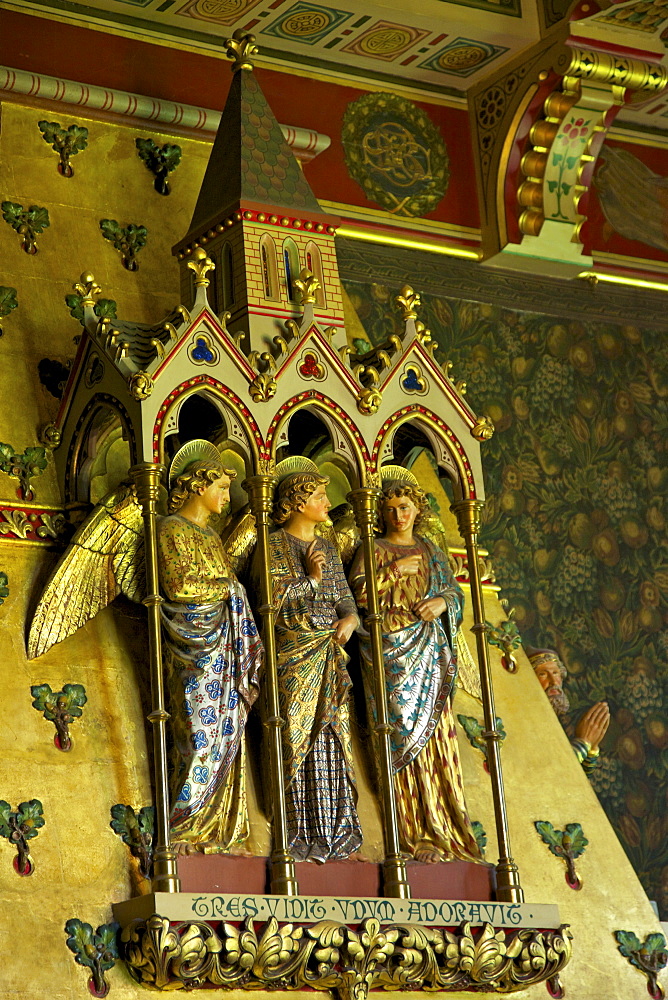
column 395, row 153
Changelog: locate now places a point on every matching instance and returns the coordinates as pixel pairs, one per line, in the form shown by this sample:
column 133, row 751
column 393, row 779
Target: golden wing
column 431, row 527
column 239, row 538
column 104, row 558
column 345, row 531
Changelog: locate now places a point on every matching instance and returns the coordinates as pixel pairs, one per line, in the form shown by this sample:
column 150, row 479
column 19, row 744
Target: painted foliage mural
column 576, row 478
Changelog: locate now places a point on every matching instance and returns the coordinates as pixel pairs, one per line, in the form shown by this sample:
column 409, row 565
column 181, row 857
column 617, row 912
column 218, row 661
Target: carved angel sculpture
column 212, row 651
column 421, row 607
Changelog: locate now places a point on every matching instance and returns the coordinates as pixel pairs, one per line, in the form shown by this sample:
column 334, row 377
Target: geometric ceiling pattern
column 434, row 45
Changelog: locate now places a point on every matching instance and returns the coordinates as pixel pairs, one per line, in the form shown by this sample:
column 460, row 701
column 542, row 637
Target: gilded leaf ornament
column 241, row 48
column 332, row 956
column 407, row 301
column 307, row 285
column 201, row 265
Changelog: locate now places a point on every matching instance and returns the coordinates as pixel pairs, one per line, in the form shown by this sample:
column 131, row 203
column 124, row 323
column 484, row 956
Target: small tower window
column 269, row 269
column 227, row 274
column 291, row 264
column 314, row 264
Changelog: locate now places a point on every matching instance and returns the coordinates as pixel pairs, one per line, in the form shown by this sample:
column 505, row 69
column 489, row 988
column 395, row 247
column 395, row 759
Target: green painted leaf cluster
column 128, row 239
column 34, row 218
column 567, row 843
column 4, row 587
column 70, row 140
column 70, row 700
column 649, row 954
column 91, row 948
column 8, row 300
column 27, row 820
column 158, row 158
column 474, row 730
column 102, row 308
column 480, row 835
column 134, row 829
column 32, row 462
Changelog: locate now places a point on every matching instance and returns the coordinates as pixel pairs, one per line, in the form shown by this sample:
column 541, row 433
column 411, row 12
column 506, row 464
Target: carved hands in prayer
column 593, row 725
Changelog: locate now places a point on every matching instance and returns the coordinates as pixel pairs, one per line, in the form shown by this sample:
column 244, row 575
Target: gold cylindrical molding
column 509, row 889
column 147, row 478
column 395, row 878
column 260, row 489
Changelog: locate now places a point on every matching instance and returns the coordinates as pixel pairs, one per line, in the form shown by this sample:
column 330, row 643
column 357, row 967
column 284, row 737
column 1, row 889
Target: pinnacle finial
column 201, row 265
column 241, row 48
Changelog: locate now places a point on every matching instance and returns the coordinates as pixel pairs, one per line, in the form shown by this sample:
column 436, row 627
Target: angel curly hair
column 294, row 491
column 400, row 488
column 196, row 475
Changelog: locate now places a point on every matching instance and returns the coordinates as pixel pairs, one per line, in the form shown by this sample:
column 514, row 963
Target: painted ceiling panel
column 436, row 44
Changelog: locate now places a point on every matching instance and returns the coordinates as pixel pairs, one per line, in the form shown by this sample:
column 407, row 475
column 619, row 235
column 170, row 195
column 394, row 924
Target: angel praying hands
column 212, row 652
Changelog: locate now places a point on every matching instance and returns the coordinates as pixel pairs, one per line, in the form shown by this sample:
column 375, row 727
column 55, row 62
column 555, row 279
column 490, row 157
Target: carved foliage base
column 331, row 956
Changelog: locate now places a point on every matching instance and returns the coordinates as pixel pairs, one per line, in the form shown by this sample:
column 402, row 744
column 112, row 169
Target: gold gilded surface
column 329, row 955
column 82, row 867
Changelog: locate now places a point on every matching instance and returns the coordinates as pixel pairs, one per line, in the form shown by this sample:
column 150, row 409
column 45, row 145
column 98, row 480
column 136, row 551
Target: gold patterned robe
column 420, row 670
column 313, row 696
column 213, row 656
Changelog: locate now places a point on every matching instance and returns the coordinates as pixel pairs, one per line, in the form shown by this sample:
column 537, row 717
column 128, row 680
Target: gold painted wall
column 81, row 866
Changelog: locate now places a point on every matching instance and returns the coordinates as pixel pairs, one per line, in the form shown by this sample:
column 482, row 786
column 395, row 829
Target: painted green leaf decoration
column 44, row 700
column 11, row 213
column 8, row 300
column 72, row 139
column 75, row 695
column 102, row 308
column 550, row 836
column 92, row 949
column 35, row 459
column 4, row 587
column 480, row 835
column 38, row 218
column 80, row 941
column 573, row 840
column 5, row 812
column 29, row 817
column 128, row 241
column 474, row 730
column 110, row 229
column 136, row 830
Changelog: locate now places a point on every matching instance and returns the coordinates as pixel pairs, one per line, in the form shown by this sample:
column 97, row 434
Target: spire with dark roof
column 250, row 159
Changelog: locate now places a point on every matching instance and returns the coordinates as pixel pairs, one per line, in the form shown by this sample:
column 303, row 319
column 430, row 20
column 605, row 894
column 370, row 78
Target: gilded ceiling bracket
column 564, row 142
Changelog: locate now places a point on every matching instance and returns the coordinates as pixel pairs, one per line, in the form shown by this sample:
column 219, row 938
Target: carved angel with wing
column 212, row 651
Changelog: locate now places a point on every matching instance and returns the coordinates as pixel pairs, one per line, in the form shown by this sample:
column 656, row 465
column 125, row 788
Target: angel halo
column 197, row 450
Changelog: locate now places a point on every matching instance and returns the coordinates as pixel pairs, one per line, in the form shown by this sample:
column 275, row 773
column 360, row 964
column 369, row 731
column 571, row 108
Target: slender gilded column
column 395, row 879
column 508, row 888
column 147, row 482
column 260, row 490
